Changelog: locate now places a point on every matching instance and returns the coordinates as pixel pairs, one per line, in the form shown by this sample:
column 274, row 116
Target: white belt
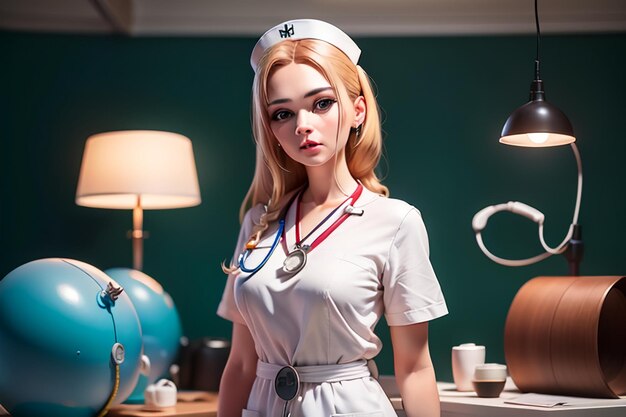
column 318, row 373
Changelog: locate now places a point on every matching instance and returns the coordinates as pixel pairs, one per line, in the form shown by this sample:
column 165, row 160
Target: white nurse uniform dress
column 373, row 264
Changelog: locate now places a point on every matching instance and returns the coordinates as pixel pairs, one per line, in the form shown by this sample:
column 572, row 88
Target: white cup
column 160, row 395
column 465, row 358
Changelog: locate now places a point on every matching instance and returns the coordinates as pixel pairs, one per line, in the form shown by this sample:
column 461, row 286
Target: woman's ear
column 360, row 109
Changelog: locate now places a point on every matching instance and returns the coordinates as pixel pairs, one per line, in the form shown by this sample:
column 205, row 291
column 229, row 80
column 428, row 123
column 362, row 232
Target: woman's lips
column 309, row 144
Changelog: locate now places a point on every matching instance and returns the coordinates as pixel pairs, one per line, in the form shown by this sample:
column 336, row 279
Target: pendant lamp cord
column 537, row 76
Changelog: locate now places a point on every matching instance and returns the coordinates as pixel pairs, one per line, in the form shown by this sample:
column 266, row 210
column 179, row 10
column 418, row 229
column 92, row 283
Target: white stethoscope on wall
column 479, row 222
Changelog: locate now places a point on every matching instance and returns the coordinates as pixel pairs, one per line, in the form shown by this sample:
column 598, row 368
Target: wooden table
column 190, row 404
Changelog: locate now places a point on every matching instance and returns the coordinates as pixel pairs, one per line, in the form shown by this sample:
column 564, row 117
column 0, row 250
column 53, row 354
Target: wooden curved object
column 567, row 336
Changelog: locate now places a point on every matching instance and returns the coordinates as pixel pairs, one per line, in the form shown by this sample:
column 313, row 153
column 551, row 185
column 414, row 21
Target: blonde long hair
column 277, row 176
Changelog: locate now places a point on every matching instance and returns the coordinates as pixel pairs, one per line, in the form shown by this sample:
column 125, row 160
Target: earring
column 357, row 134
column 358, row 130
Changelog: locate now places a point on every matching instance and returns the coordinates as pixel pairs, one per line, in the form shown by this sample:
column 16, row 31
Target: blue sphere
column 57, row 332
column 160, row 323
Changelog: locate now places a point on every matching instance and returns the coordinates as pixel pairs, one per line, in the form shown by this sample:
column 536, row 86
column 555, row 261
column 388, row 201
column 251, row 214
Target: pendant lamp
column 537, row 123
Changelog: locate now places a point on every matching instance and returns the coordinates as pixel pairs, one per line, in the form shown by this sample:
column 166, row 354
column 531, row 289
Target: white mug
column 160, row 395
column 465, row 357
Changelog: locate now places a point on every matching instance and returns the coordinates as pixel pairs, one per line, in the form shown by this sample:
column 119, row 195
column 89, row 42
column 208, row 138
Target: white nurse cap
column 305, row 29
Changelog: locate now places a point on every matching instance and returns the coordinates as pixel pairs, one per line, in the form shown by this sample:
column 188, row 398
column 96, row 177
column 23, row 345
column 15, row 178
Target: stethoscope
column 248, row 251
column 251, row 245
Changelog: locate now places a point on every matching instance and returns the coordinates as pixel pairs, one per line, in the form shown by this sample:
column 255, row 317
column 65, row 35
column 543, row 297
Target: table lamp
column 538, row 123
column 138, row 170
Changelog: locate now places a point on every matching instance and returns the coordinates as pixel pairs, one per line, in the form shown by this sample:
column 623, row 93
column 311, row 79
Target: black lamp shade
column 537, row 123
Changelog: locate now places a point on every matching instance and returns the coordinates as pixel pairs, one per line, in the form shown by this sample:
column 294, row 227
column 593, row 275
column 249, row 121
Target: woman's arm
column 414, row 370
column 239, row 373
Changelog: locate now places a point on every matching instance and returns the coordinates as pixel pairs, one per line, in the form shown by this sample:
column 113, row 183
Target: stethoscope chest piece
column 295, row 261
column 287, row 383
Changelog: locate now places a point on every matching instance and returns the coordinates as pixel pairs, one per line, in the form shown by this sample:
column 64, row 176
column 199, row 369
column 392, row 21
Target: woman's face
column 304, row 114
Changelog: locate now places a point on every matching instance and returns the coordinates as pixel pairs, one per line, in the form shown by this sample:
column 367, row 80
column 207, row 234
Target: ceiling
column 357, row 17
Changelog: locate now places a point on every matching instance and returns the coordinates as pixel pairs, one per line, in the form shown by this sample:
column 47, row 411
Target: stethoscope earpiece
column 350, row 209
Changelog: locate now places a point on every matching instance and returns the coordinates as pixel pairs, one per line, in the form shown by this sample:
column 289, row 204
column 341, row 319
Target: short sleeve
column 412, row 293
column 227, row 308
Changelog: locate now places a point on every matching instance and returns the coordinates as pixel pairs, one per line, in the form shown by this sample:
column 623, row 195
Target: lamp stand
column 574, row 252
column 137, row 235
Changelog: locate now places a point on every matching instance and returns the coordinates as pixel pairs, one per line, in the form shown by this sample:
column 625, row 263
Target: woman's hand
column 414, row 370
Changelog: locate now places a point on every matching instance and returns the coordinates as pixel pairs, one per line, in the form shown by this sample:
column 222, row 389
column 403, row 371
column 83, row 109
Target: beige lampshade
column 118, row 167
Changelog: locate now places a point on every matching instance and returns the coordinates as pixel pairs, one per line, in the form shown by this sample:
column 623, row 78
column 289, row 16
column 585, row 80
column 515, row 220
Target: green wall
column 444, row 102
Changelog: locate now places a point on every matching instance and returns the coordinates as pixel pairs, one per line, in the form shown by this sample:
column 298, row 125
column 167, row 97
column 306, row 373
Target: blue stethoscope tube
column 244, row 255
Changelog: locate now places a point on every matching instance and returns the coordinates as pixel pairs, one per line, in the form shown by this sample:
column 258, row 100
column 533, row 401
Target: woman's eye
column 281, row 115
column 324, row 104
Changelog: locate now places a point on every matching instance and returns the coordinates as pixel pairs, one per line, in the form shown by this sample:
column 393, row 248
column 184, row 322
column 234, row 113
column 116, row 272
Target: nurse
column 323, row 253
